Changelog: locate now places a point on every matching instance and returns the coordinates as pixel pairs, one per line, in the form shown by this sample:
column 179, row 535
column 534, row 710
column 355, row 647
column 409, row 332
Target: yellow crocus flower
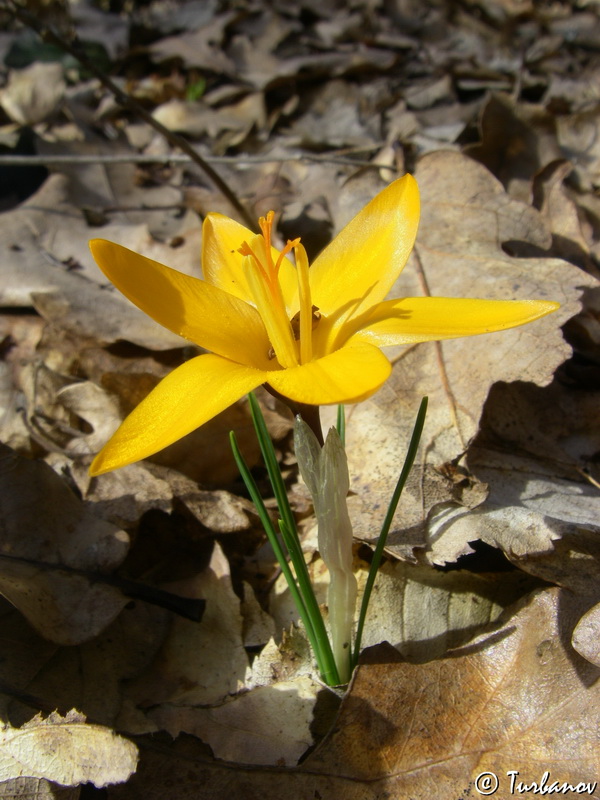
column 311, row 334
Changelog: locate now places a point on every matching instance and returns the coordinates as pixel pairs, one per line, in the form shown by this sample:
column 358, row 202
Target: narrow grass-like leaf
column 341, row 423
column 280, row 555
column 279, row 490
column 378, row 552
column 300, row 586
column 270, row 459
column 321, row 645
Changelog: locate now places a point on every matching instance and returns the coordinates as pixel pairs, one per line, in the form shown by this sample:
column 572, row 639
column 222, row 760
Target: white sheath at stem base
column 325, row 472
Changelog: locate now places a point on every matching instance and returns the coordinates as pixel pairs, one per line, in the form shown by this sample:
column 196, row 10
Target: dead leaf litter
column 142, row 615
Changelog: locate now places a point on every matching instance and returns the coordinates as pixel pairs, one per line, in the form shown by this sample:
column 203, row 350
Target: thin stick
column 175, row 158
column 74, row 49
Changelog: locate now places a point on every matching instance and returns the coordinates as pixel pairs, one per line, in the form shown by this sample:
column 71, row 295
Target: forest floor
column 150, row 648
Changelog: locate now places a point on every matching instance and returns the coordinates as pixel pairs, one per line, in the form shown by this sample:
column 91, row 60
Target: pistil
column 262, row 274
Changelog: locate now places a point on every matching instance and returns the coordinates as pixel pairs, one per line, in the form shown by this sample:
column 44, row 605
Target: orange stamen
column 266, row 225
column 287, row 249
column 246, row 250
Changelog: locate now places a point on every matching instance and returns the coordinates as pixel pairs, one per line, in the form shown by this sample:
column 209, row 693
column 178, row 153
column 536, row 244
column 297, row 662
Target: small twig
column 29, row 700
column 177, row 158
column 584, row 472
column 73, row 48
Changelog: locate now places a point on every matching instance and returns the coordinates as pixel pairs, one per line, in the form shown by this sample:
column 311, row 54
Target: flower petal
column 222, row 265
column 360, row 266
column 422, row 319
column 349, row 375
column 185, row 399
column 185, row 305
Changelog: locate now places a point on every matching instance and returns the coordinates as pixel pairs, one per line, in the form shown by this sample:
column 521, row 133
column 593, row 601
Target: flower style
column 312, row 334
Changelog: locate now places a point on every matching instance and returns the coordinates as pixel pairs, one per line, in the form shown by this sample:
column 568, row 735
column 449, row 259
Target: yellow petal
column 185, row 305
column 361, row 264
column 304, row 298
column 222, row 265
column 421, row 319
column 187, row 398
column 347, row 376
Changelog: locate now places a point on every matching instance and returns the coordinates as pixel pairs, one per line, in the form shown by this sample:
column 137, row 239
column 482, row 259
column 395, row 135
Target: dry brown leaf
column 91, row 403
column 499, row 10
column 578, row 136
column 201, row 682
column 66, row 750
column 33, row 94
column 423, row 612
column 228, row 126
column 199, row 663
column 541, row 511
column 36, row 789
column 218, row 510
column 96, row 25
column 523, row 701
column 335, row 117
column 286, row 661
column 32, row 275
column 91, row 676
column 424, row 94
column 46, row 532
column 36, row 673
column 198, row 46
column 104, row 195
column 518, row 140
column 167, row 19
column 24, row 654
column 20, row 336
column 556, row 549
column 123, row 496
column 551, row 197
column 467, row 217
column 266, row 725
column 62, row 606
column 60, row 528
column 420, row 611
column 258, row 626
column 586, row 636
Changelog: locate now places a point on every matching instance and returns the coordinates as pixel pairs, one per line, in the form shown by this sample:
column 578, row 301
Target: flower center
column 262, row 265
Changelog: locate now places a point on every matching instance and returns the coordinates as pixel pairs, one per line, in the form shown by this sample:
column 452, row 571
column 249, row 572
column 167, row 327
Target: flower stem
column 310, row 414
